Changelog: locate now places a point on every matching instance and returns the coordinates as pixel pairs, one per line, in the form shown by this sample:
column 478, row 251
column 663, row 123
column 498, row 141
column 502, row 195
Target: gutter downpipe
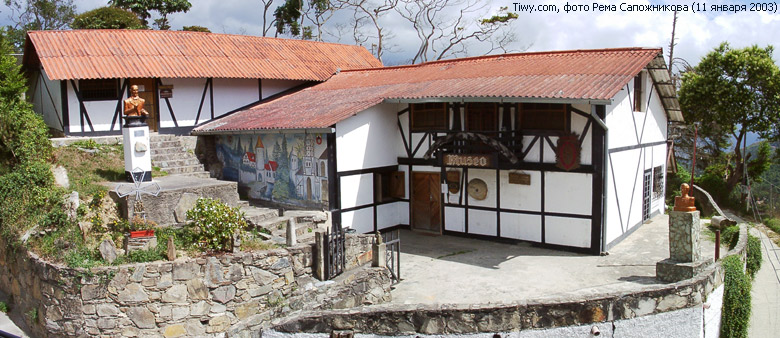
column 605, row 182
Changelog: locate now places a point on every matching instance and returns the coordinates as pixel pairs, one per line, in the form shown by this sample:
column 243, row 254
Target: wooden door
column 147, row 90
column 426, row 202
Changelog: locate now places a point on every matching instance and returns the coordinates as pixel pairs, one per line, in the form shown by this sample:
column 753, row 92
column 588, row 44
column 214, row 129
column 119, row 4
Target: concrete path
column 765, row 320
column 455, row 270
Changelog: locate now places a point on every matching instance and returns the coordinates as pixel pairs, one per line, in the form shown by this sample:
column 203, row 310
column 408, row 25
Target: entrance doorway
column 147, row 90
column 426, row 202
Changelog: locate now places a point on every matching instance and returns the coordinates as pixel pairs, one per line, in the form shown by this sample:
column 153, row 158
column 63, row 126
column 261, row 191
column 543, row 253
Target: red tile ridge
column 499, row 56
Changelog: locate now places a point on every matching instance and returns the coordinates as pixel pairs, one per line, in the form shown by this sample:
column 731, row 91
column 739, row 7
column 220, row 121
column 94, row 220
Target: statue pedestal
column 135, row 140
column 684, row 248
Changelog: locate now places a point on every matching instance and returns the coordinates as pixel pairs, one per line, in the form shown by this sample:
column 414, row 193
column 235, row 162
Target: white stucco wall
column 187, row 94
column 47, row 100
column 637, row 143
column 228, row 94
column 368, row 139
column 100, row 113
column 364, row 141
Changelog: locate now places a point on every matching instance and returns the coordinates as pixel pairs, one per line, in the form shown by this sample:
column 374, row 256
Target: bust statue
column 134, row 105
column 684, row 202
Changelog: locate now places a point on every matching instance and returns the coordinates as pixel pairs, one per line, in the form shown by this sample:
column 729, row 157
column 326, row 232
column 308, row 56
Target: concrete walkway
column 765, row 320
column 455, row 270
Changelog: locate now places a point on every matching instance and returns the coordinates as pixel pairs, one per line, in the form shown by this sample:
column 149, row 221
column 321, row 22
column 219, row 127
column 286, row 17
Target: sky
column 697, row 32
column 584, row 26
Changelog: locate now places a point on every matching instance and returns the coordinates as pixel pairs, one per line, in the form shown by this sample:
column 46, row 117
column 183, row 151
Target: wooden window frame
column 658, row 181
column 94, row 89
column 468, row 109
column 389, row 185
column 639, row 92
column 526, row 108
column 417, row 109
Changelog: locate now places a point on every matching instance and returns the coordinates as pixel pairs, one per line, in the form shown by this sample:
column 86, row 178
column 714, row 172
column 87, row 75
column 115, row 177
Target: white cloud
column 697, row 33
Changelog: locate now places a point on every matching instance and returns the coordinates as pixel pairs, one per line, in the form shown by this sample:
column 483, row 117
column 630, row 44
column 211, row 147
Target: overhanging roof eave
column 264, row 131
column 499, row 99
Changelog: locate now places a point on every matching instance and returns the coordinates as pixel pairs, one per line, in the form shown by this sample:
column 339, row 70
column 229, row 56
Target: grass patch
column 4, row 307
column 455, row 253
column 89, row 163
column 774, row 225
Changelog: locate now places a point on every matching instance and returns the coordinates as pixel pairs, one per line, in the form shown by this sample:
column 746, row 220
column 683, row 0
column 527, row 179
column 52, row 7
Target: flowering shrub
column 217, row 222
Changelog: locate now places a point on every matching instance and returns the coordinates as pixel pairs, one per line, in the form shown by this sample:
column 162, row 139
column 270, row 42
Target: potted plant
column 140, row 227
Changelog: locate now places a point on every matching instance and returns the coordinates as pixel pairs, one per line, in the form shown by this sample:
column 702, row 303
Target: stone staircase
column 307, row 222
column 171, row 156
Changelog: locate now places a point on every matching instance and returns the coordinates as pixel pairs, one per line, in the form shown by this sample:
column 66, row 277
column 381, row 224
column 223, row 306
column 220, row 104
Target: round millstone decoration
column 477, row 189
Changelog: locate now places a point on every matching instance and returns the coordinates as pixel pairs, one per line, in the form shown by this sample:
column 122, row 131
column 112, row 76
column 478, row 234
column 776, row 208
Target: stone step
column 168, row 150
column 197, row 174
column 184, row 169
column 258, row 217
column 278, row 226
column 180, row 162
column 164, row 144
column 162, row 137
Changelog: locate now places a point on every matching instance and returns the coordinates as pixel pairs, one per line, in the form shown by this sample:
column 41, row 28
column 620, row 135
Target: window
column 542, row 116
column 658, row 181
column 481, row 116
column 429, row 116
column 638, row 93
column 388, row 185
column 99, row 89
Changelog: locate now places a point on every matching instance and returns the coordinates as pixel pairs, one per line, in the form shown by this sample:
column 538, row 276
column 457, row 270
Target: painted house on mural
column 79, row 78
column 567, row 149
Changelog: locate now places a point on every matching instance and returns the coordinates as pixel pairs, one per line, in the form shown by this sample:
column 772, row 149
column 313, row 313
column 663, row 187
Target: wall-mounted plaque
column 468, row 160
column 517, row 178
column 166, row 91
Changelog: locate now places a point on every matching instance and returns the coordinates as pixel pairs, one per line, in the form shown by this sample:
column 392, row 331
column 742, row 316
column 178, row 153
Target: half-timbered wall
column 46, row 98
column 367, row 144
column 194, row 101
column 637, row 144
column 555, row 208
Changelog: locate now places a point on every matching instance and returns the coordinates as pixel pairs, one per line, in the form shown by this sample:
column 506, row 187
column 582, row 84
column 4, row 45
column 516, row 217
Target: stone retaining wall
column 205, row 296
column 543, row 313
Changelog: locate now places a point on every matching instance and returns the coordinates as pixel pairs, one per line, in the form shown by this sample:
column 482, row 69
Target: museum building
column 567, row 149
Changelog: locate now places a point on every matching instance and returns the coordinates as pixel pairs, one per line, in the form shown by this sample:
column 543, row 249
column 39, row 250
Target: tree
column 738, row 90
column 367, row 13
column 107, row 18
column 443, row 35
column 28, row 15
column 196, row 29
column 143, row 8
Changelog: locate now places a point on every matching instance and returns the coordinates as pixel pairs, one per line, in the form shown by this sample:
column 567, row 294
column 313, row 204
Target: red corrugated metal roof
column 573, row 75
column 93, row 54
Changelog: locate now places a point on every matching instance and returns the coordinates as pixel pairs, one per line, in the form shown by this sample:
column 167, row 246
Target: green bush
column 754, row 256
column 217, row 222
column 107, row 18
column 774, row 224
column 3, row 307
column 730, row 235
column 735, row 317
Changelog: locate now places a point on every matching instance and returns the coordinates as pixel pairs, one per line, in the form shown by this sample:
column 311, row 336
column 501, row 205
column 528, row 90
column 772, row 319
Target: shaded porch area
column 457, row 270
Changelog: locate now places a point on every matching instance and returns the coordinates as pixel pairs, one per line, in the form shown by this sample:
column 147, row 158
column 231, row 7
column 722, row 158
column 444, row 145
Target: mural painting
column 283, row 168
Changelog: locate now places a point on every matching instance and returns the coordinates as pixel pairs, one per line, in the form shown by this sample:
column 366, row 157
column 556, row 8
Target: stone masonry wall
column 204, row 296
column 544, row 313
